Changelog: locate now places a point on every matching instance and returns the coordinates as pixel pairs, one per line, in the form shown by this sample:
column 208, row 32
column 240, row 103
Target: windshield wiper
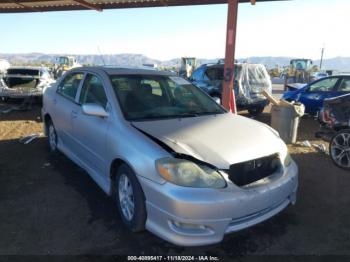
column 210, row 113
column 187, row 114
column 156, row 116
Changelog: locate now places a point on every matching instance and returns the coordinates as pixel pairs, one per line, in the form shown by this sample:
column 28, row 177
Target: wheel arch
column 115, row 164
column 46, row 119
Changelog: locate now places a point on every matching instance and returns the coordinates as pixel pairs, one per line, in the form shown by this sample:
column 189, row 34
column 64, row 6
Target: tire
column 255, row 111
column 130, row 199
column 52, row 137
column 339, row 149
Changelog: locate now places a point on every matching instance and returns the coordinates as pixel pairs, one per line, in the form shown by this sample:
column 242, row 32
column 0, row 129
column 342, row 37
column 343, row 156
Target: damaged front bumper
column 194, row 216
column 20, row 93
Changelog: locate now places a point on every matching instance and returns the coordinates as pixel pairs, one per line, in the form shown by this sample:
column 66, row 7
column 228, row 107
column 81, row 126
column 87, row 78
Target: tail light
column 327, row 118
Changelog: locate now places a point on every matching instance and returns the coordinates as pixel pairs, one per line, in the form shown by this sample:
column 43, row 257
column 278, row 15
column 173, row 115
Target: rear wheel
column 130, row 199
column 52, row 137
column 255, row 111
column 339, row 149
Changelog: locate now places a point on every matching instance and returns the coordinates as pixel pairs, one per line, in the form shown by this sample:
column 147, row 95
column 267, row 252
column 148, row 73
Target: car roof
column 113, row 70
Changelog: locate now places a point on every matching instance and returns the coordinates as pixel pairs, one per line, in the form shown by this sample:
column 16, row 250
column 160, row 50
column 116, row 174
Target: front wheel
column 255, row 111
column 339, row 149
column 130, row 199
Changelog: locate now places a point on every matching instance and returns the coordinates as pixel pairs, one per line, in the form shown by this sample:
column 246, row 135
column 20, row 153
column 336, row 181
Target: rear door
column 90, row 131
column 64, row 107
column 316, row 92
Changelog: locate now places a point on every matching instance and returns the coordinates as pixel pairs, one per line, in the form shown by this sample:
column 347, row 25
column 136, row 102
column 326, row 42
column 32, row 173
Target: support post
column 228, row 96
column 321, row 62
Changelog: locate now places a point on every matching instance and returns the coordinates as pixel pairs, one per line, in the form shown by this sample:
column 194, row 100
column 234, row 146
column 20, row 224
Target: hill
column 337, row 63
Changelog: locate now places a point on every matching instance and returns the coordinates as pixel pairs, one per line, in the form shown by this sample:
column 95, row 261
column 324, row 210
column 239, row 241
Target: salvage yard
column 48, row 205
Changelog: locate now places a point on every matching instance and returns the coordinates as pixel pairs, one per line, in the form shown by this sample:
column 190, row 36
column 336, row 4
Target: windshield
column 160, row 97
column 300, row 64
column 63, row 60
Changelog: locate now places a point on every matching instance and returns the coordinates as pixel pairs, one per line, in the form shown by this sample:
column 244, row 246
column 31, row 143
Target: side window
column 154, row 85
column 93, row 91
column 215, row 73
column 211, row 73
column 324, row 85
column 345, row 85
column 70, row 84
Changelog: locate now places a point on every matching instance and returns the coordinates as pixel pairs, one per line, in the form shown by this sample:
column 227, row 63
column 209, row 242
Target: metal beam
column 228, row 96
column 25, row 6
column 88, row 5
column 59, row 5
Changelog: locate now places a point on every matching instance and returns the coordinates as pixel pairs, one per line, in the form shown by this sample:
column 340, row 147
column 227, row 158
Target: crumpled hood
column 220, row 140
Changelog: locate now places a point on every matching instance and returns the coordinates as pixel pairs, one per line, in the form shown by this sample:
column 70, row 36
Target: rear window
column 217, row 73
column 29, row 72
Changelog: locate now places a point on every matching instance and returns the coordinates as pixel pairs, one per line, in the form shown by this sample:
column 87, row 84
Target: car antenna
column 99, row 51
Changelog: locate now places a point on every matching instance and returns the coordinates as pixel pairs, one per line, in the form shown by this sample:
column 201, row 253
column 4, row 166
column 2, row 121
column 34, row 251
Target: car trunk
column 23, row 79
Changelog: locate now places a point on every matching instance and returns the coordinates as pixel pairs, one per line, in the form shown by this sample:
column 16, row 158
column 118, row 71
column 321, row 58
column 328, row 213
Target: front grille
column 250, row 171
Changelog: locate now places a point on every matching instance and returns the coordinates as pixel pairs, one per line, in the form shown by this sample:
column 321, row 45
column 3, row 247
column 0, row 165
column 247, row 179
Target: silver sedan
column 175, row 161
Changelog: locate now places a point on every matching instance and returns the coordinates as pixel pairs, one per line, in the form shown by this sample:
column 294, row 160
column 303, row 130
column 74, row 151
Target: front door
column 90, row 131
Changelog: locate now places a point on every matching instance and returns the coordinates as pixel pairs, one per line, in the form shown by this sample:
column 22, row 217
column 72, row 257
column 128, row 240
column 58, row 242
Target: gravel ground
column 50, row 206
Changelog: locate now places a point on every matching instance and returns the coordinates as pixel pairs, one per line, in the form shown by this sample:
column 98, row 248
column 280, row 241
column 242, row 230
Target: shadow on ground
column 51, row 206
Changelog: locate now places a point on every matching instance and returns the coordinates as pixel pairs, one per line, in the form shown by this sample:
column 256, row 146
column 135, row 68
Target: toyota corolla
column 176, row 162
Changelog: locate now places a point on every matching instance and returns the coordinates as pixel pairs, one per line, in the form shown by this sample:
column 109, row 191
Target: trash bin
column 285, row 119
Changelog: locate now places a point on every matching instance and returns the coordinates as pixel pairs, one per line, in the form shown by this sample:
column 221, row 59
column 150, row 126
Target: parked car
column 175, row 161
column 250, row 81
column 22, row 82
column 312, row 95
column 335, row 122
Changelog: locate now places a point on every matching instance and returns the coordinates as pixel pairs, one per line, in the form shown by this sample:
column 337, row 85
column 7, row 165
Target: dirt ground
column 50, row 206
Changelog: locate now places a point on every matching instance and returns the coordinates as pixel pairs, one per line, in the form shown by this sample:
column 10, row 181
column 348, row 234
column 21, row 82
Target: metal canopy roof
column 22, row 6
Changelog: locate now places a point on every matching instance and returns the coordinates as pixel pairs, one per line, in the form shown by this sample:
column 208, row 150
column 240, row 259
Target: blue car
column 313, row 94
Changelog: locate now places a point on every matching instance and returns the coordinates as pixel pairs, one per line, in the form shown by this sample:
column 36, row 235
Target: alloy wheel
column 340, row 149
column 126, row 197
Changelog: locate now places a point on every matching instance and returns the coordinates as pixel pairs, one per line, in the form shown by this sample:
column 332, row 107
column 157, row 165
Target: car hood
column 295, row 86
column 220, row 140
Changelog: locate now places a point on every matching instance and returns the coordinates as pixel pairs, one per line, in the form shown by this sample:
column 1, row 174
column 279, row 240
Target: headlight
column 287, row 160
column 186, row 173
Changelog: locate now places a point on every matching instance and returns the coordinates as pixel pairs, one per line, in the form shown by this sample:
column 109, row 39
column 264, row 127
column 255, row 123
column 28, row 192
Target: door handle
column 74, row 114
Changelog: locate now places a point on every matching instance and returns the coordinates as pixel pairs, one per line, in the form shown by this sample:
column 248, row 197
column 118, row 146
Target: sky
column 298, row 28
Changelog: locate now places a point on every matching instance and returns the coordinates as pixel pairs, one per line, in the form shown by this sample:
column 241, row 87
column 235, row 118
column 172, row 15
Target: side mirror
column 94, row 110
